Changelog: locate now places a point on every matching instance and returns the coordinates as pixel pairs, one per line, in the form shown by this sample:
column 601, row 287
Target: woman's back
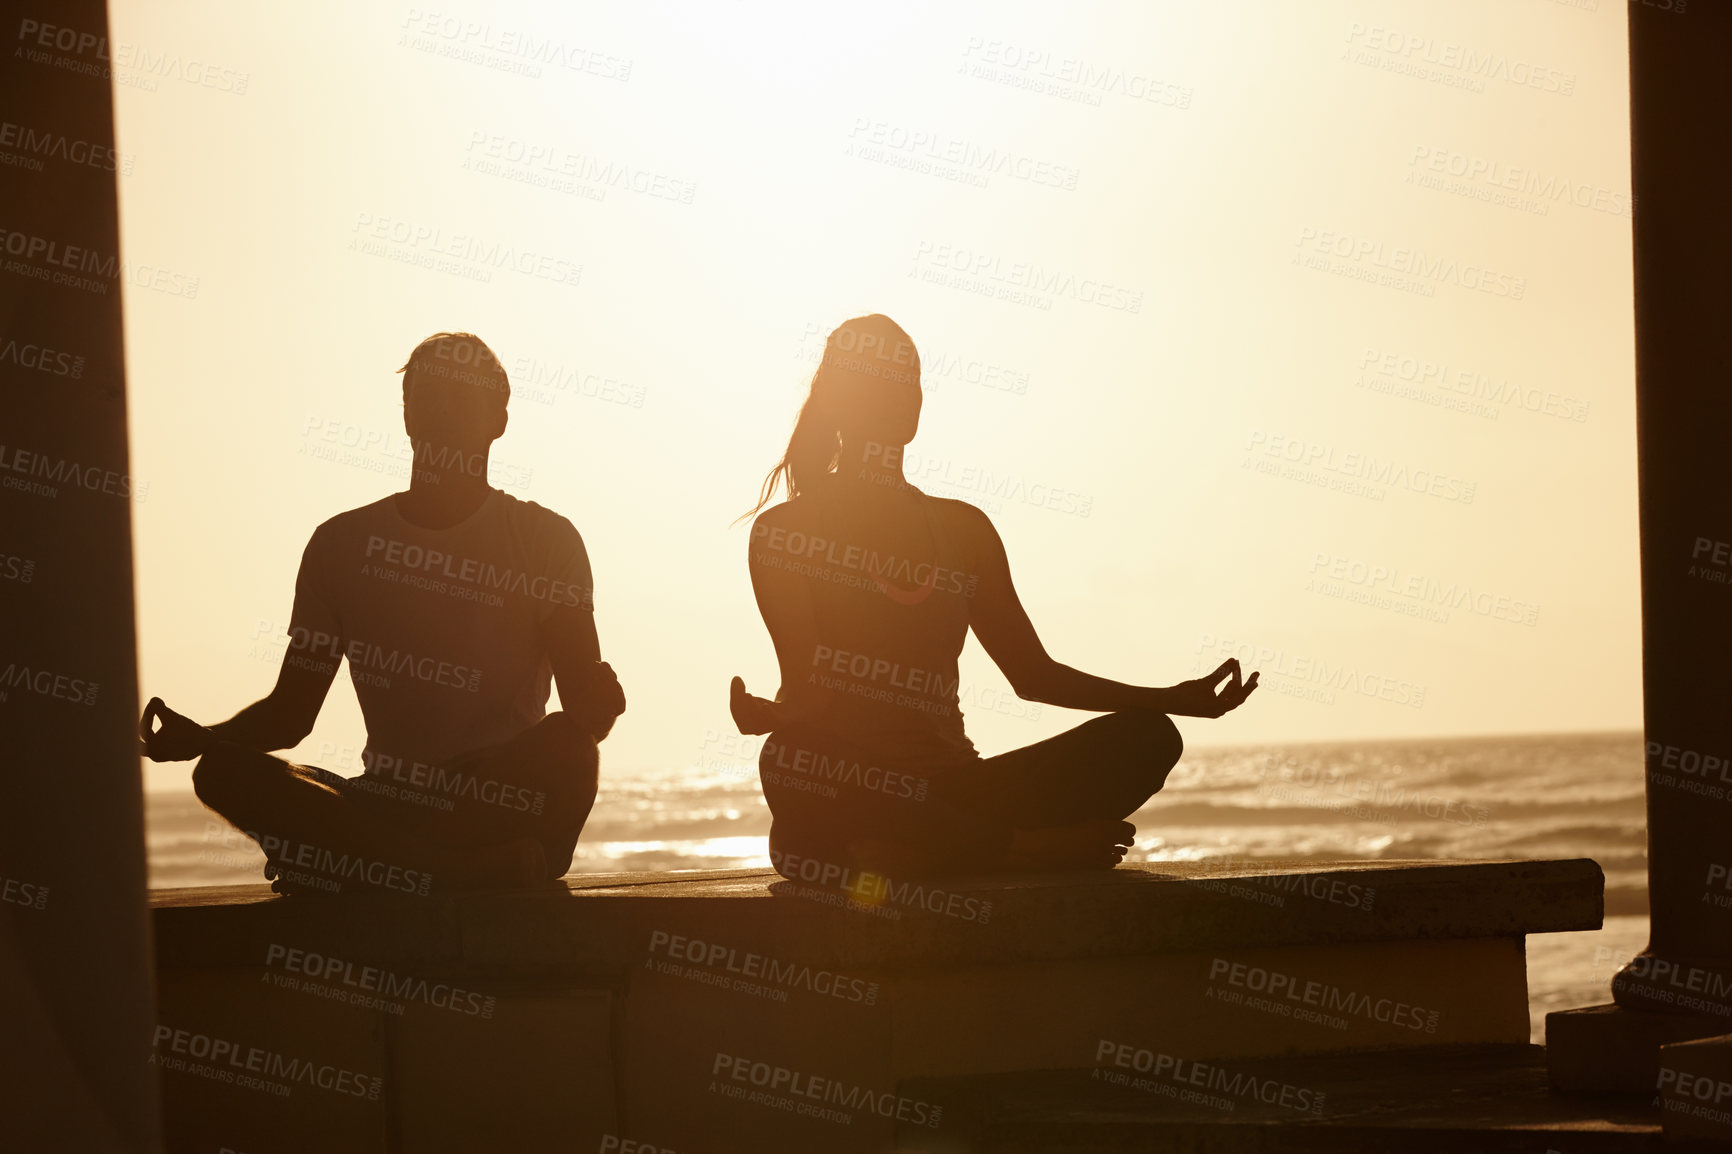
column 876, row 581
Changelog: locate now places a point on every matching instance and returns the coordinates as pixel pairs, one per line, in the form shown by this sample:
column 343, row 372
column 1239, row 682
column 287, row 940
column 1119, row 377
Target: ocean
column 1486, row 797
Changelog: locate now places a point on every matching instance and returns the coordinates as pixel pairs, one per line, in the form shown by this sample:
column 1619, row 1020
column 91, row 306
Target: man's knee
column 218, row 778
column 584, row 761
column 578, row 774
column 559, row 737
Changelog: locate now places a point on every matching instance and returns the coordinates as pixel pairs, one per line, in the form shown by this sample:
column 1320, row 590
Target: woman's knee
column 1149, row 745
column 783, row 854
column 801, row 853
column 1165, row 741
column 785, row 749
column 785, row 753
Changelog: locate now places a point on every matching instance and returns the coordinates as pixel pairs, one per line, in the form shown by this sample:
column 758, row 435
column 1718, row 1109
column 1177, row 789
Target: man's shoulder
column 537, row 519
column 362, row 520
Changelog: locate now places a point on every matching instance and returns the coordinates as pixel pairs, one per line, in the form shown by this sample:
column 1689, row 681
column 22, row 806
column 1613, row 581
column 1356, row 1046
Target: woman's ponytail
column 812, row 451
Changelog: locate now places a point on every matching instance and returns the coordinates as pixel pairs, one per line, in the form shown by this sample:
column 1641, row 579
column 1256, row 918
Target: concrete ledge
column 596, row 926
column 735, row 1011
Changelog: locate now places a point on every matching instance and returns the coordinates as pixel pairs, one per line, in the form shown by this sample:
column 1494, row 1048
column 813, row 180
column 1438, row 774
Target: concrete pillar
column 1681, row 144
column 75, row 979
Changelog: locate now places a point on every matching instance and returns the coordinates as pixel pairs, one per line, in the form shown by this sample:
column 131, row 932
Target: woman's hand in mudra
column 1198, row 697
column 754, row 714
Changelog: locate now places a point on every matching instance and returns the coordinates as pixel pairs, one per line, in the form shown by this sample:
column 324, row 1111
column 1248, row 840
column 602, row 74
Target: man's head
column 454, row 392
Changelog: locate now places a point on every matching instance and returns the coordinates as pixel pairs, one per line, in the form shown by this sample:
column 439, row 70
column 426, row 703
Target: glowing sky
column 1255, row 326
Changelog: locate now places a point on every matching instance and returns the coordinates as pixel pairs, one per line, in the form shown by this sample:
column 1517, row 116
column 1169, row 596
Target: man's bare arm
column 588, row 689
column 279, row 720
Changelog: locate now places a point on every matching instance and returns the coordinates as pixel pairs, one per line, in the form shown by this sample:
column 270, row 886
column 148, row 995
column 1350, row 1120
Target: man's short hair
column 462, row 358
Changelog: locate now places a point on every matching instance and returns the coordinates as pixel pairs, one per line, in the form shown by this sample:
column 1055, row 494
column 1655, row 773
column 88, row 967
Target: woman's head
column 865, row 395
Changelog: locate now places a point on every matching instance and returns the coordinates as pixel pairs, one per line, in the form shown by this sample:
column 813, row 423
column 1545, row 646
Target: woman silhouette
column 869, row 588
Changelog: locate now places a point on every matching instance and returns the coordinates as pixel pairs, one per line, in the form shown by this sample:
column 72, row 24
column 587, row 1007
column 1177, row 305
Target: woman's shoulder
column 962, row 515
column 791, row 513
column 818, row 501
column 817, row 507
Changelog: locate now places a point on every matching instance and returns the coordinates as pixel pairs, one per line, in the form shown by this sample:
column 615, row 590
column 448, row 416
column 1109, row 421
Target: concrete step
column 1695, row 1087
column 1612, row 1050
column 1436, row 1100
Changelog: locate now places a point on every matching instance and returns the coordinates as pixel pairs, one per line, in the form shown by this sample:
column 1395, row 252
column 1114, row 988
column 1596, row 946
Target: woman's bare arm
column 1009, row 638
column 785, row 603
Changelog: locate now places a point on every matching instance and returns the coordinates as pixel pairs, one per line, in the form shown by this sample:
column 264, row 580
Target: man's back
column 442, row 628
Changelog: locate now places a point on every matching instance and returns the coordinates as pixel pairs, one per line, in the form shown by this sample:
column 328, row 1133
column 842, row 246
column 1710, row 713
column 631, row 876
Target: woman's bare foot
column 893, row 859
column 1083, row 846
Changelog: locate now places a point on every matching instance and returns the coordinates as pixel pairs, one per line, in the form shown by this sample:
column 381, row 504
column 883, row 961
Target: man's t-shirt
column 441, row 627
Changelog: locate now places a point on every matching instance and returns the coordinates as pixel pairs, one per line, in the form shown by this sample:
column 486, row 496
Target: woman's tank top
column 890, row 629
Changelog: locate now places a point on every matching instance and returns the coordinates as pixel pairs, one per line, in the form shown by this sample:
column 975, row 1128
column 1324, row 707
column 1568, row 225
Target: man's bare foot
column 1083, row 846
column 519, row 864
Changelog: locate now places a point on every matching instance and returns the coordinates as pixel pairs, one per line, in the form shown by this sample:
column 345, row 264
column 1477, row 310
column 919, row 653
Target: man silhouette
column 455, row 605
